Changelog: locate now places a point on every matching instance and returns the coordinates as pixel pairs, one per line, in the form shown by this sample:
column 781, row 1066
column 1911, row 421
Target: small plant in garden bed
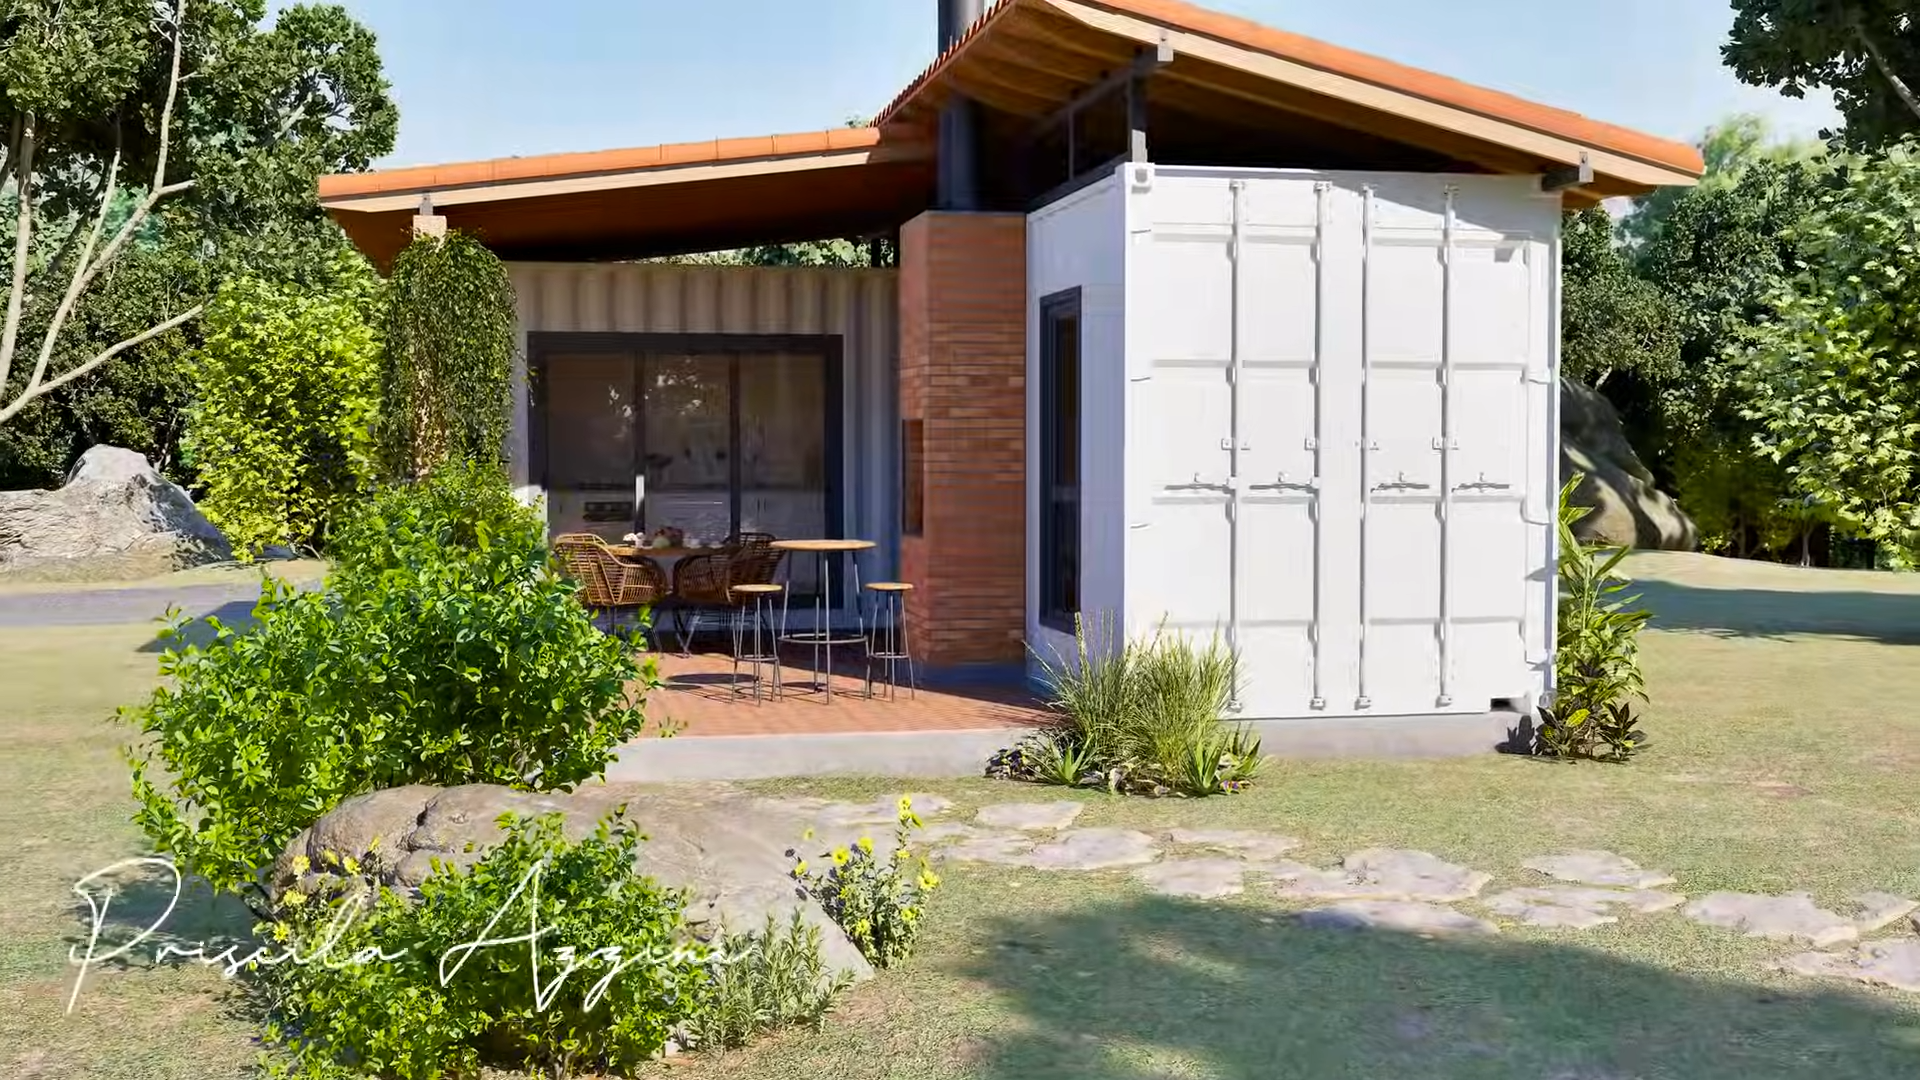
column 768, row 980
column 1597, row 658
column 441, row 986
column 1139, row 718
column 876, row 898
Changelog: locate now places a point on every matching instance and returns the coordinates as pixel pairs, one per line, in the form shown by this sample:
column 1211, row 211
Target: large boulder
column 727, row 848
column 1628, row 510
column 114, row 518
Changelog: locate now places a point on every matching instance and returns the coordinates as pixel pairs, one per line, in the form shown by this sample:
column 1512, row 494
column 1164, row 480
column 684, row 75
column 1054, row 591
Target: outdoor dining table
column 821, row 637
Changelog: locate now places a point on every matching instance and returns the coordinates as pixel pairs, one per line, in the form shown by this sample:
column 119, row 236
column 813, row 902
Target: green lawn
column 1785, row 752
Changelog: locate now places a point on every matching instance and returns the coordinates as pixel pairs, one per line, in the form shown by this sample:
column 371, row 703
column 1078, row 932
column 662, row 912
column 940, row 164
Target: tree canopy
column 1867, row 52
column 258, row 111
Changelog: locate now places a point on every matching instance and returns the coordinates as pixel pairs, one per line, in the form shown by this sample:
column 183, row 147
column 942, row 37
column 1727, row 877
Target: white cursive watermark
column 99, row 901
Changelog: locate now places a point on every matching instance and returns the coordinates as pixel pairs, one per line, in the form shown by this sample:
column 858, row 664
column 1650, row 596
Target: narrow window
column 1060, row 459
column 913, row 477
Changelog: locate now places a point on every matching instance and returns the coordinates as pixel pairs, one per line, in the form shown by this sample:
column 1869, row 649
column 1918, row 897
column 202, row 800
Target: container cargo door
column 1224, row 426
column 1332, row 431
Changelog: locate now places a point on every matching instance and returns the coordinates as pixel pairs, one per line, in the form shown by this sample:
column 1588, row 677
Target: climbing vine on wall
column 447, row 381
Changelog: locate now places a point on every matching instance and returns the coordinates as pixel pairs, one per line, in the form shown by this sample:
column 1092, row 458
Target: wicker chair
column 706, row 582
column 608, row 582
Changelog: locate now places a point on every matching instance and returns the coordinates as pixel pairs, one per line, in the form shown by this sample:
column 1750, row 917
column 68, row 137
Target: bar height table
column 822, row 637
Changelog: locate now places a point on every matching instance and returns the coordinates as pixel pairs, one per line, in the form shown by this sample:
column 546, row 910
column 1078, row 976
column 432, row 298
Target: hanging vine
column 447, row 381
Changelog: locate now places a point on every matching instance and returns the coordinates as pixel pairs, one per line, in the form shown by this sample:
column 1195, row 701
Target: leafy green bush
column 1597, row 658
column 767, row 980
column 445, row 649
column 876, row 899
column 1141, row 716
column 364, row 983
column 287, row 383
column 448, row 375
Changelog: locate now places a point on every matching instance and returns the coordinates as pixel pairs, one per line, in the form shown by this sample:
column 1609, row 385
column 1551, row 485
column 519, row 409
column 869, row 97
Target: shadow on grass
column 1154, row 987
column 237, row 614
column 142, row 901
column 1886, row 617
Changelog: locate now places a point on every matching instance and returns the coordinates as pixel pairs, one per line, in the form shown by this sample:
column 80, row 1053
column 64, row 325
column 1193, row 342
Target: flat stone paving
column 1398, row 890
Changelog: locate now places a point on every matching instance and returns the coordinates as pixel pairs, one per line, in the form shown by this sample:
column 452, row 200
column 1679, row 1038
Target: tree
column 1832, row 373
column 286, row 388
column 450, row 346
column 1867, row 52
column 1727, row 148
column 1611, row 321
column 208, row 126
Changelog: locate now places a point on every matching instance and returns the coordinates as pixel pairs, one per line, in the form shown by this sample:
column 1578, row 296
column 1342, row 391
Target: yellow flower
column 929, row 879
column 280, row 931
column 351, row 866
column 808, row 835
column 902, row 854
column 800, row 867
column 300, row 864
column 906, row 804
column 840, row 856
column 294, row 897
column 330, row 858
column 864, row 844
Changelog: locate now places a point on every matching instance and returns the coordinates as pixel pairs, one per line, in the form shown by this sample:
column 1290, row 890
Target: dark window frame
column 1059, row 547
column 831, row 348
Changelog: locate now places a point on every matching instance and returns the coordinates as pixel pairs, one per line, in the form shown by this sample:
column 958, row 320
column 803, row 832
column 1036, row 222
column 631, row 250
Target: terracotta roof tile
column 551, row 166
column 1248, row 34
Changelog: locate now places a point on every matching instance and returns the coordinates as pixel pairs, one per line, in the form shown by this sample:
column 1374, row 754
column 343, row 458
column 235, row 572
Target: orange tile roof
column 1174, row 14
column 1245, row 33
column 548, row 166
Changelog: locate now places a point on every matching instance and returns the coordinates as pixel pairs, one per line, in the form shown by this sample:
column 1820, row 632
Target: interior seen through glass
column 706, row 444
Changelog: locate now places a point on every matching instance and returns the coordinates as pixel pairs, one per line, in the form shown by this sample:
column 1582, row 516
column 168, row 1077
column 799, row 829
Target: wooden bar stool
column 754, row 603
column 887, row 641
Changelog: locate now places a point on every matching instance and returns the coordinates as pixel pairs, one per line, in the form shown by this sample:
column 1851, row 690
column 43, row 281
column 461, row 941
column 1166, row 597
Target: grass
column 1784, row 750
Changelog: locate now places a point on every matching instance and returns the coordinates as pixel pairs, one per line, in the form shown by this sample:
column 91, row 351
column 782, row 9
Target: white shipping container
column 1317, row 416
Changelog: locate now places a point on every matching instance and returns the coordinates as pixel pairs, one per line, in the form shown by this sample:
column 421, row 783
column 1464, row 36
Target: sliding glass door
column 709, row 441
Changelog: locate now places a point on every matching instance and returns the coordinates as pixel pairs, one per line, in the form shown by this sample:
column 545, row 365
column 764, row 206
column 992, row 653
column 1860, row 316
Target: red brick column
column 963, row 362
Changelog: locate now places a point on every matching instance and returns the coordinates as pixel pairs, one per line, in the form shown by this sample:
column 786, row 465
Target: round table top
column 630, row 551
column 823, row 545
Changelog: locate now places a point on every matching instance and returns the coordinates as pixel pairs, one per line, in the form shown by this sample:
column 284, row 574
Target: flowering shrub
column 362, row 982
column 876, row 899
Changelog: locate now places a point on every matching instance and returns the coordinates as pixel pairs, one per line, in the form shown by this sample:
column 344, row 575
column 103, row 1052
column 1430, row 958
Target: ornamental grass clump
column 876, row 897
column 1139, row 717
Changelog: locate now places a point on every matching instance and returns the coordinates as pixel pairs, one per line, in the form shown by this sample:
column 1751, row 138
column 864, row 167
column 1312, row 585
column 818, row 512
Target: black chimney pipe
column 956, row 18
column 958, row 127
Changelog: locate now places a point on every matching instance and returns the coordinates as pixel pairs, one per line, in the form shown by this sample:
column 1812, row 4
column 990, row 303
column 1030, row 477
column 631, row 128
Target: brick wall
column 963, row 361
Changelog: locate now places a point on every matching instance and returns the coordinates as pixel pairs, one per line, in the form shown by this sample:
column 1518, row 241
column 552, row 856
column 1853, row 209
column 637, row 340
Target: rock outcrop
column 1628, row 510
column 725, row 847
column 114, row 518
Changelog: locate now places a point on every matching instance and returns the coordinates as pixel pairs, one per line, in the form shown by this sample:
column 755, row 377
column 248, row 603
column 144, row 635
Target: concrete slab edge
column 958, row 754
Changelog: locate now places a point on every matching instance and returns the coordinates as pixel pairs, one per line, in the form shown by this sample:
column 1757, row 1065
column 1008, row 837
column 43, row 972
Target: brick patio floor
column 699, row 696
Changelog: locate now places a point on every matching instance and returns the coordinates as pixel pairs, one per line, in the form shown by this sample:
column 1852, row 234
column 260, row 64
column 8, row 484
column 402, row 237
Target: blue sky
column 496, row 78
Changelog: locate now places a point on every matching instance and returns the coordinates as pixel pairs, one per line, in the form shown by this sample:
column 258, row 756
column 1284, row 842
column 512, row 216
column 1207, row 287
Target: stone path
column 1397, row 890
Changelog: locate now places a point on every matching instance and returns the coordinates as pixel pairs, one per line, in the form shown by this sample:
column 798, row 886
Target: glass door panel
column 783, row 452
column 688, row 444
column 592, row 432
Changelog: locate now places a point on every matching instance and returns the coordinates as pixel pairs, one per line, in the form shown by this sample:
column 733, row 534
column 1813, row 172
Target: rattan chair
column 704, row 583
column 608, row 582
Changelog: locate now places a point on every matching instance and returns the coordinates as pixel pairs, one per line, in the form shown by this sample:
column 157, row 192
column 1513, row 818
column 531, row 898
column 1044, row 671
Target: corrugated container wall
column 1335, row 397
column 860, row 306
